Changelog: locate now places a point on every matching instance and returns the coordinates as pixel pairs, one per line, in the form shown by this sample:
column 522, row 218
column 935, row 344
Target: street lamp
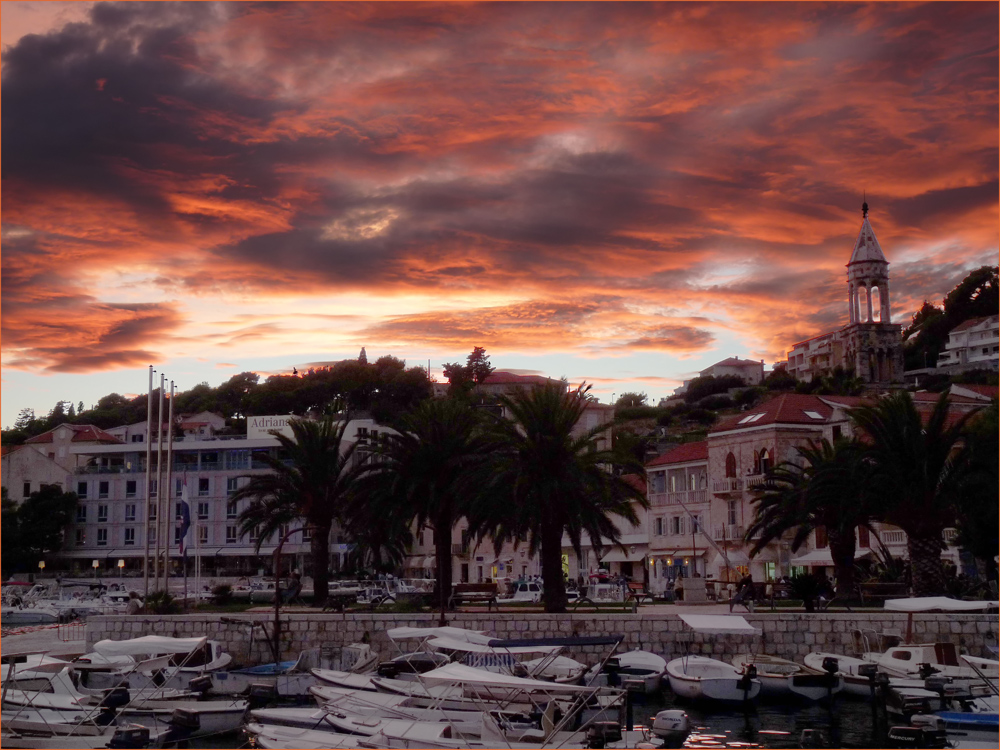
column 121, row 568
column 41, row 566
column 95, row 565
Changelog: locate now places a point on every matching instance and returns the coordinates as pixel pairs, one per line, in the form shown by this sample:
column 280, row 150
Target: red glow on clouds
column 608, row 179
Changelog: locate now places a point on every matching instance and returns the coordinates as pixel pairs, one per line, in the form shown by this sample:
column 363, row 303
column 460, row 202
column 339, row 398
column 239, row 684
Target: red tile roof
column 737, row 362
column 697, row 451
column 788, row 408
column 636, row 481
column 970, row 323
column 82, row 433
column 990, row 391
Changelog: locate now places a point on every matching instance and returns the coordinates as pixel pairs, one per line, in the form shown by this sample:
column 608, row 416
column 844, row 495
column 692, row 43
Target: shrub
column 161, row 603
column 222, row 594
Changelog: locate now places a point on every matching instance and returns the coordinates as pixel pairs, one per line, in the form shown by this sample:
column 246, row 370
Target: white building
column 973, row 344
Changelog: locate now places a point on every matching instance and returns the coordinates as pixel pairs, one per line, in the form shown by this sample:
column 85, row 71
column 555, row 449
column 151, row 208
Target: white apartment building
column 973, row 344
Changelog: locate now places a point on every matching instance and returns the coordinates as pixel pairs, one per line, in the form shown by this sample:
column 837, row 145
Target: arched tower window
column 863, row 304
column 730, row 466
column 876, row 295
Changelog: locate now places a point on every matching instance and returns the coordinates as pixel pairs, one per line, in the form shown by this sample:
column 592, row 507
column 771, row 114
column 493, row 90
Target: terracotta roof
column 788, row 408
column 509, row 378
column 988, row 391
column 636, row 481
column 82, row 433
column 736, row 362
column 971, row 322
column 697, row 451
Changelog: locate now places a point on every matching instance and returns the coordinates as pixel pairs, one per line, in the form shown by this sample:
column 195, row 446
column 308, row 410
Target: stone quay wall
column 790, row 635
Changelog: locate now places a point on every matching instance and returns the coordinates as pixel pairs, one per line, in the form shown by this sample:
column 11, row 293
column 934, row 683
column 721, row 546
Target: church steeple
column 868, row 270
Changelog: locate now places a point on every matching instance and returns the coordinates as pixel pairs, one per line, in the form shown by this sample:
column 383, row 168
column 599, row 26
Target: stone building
column 870, row 345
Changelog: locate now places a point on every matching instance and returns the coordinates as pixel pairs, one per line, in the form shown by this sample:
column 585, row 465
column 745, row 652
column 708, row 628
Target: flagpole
column 147, row 494
column 184, row 558
column 159, row 482
column 170, row 473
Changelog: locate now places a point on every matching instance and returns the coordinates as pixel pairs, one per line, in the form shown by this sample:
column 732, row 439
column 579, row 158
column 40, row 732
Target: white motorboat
column 113, row 663
column 637, row 670
column 294, row 738
column 850, row 668
column 783, row 678
column 698, row 677
column 923, row 659
column 290, row 678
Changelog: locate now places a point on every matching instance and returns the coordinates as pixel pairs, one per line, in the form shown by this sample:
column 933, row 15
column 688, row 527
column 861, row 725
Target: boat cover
column 451, row 644
column 149, row 644
column 460, row 674
column 460, row 634
column 927, row 603
column 720, row 624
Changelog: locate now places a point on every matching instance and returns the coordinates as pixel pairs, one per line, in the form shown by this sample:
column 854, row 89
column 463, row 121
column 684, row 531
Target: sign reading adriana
column 260, row 427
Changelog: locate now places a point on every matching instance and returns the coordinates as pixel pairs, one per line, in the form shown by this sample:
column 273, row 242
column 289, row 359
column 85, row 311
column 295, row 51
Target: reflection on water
column 846, row 723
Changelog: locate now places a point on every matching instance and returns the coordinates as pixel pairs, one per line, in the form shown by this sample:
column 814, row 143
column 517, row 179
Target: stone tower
column 873, row 344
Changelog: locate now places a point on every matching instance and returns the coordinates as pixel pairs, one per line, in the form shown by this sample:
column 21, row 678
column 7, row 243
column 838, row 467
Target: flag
column 185, row 521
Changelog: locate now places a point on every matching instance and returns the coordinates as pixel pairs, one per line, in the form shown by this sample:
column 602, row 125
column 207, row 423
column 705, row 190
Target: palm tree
column 541, row 479
column 828, row 486
column 920, row 469
column 419, row 475
column 310, row 482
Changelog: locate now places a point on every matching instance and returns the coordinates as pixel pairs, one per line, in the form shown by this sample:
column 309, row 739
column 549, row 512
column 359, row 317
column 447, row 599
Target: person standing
column 134, row 606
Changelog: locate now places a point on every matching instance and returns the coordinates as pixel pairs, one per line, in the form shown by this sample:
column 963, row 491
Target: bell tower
column 873, row 343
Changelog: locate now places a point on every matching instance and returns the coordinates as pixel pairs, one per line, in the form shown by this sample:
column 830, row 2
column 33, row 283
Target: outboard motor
column 813, row 738
column 924, row 731
column 115, row 698
column 200, row 684
column 600, row 733
column 672, row 727
column 612, row 667
column 746, row 681
column 261, row 694
column 830, row 665
column 186, row 719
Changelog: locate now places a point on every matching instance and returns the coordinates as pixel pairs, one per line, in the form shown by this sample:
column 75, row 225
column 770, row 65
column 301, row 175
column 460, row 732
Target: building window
column 102, row 489
column 102, row 537
column 765, row 461
column 253, row 534
column 733, row 513
column 202, row 536
column 81, row 490
column 81, row 514
column 178, row 511
column 203, row 486
column 864, row 537
column 152, row 511
column 27, row 489
column 151, row 535
column 137, row 439
column 129, row 537
column 102, row 513
column 177, row 534
column 838, row 432
column 677, row 525
column 130, row 488
column 231, row 485
column 307, row 534
column 202, row 511
column 730, row 466
column 231, row 509
column 821, row 540
column 283, row 531
column 152, row 488
column 81, row 537
column 230, row 535
column 659, row 527
column 179, row 488
column 130, row 512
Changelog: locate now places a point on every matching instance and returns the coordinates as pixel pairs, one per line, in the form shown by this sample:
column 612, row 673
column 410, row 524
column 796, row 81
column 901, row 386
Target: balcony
column 729, row 484
column 894, row 537
column 657, row 499
column 460, row 549
column 686, row 497
column 755, row 480
column 950, row 536
column 727, row 532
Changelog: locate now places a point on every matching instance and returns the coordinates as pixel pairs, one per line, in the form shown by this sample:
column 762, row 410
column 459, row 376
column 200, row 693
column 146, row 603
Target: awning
column 617, row 555
column 682, row 552
column 720, row 624
column 429, row 563
column 149, row 644
column 821, row 558
column 943, row 603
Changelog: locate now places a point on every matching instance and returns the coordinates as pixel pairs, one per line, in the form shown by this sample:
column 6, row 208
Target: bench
column 879, row 592
column 474, row 592
column 636, row 594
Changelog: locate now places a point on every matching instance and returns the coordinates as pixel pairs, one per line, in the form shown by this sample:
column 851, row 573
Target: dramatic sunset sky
column 616, row 193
